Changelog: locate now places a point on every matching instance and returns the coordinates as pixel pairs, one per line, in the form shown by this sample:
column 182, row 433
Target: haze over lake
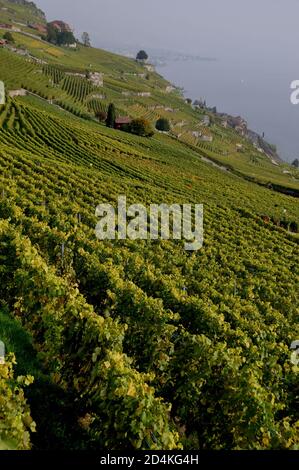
column 255, row 44
column 258, row 91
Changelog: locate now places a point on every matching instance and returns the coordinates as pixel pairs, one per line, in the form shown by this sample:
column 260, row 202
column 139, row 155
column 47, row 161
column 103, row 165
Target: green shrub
column 141, row 127
column 163, row 125
column 15, row 420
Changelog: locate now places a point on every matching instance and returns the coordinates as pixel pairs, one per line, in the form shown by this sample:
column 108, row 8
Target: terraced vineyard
column 77, row 95
column 56, row 74
column 140, row 344
column 78, row 88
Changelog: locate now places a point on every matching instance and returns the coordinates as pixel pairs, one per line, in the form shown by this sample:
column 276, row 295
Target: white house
column 96, row 78
column 196, row 134
column 206, row 138
column 2, row 93
column 170, row 88
column 149, row 67
column 97, row 96
column 19, row 92
column 75, row 74
column 206, row 120
column 145, row 94
column 224, row 123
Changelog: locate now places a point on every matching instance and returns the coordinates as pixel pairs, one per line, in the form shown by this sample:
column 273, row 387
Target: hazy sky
column 205, row 27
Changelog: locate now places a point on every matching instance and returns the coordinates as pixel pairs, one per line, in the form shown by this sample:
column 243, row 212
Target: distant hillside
column 20, row 10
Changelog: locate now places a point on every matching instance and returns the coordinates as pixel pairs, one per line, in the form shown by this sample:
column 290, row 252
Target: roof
column 38, row 26
column 123, row 120
column 60, row 24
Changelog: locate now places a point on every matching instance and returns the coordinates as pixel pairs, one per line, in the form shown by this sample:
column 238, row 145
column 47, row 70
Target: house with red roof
column 122, row 122
column 61, row 26
column 41, row 28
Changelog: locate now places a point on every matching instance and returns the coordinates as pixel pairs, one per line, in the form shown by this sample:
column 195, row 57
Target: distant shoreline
column 231, row 108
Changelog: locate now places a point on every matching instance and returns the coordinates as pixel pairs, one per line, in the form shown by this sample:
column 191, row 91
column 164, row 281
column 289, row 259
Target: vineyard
column 78, row 88
column 66, row 87
column 139, row 344
column 55, row 73
column 16, row 422
column 183, row 328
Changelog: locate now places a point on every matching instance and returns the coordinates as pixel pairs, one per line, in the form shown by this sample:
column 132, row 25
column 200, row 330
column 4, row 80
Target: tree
column 52, row 34
column 163, row 125
column 111, row 116
column 141, row 127
column 294, row 227
column 60, row 38
column 8, row 36
column 296, row 163
column 142, row 55
column 86, row 39
column 65, row 38
column 273, row 147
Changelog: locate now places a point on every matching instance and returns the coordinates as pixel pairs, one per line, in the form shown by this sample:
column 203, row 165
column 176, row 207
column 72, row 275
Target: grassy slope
column 12, row 12
column 17, row 341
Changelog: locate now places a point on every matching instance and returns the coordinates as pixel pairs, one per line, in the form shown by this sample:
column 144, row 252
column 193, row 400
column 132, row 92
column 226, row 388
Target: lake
column 258, row 90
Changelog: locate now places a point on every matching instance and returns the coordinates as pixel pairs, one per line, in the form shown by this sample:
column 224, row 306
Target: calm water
column 259, row 91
